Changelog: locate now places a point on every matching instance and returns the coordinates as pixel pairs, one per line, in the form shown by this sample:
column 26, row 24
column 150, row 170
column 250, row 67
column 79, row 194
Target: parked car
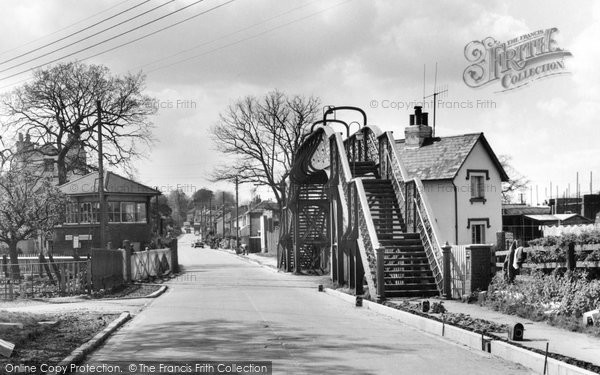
column 198, row 244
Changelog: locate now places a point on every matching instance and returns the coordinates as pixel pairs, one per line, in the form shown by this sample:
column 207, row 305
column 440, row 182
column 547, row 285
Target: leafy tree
column 262, row 135
column 29, row 206
column 516, row 182
column 58, row 110
column 202, row 197
column 179, row 203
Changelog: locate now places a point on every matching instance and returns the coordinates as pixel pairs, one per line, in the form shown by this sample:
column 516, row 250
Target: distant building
column 587, row 205
column 42, row 159
column 259, row 227
column 527, row 222
column 128, row 204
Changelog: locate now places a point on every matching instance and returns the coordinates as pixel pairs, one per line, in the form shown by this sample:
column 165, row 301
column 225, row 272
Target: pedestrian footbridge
column 353, row 210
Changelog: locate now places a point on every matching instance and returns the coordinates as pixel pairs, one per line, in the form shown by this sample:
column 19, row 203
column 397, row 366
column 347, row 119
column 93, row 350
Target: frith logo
column 516, row 62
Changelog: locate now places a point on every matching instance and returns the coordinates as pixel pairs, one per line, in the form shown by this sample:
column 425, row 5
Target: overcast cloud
column 347, row 53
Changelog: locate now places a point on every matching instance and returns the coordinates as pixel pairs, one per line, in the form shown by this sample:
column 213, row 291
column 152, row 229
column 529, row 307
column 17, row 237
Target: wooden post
column 89, row 275
column 447, row 275
column 174, row 256
column 380, row 274
column 101, row 199
column 127, row 260
column 571, row 261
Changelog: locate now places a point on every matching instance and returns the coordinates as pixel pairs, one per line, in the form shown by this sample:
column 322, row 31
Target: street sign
column 76, row 244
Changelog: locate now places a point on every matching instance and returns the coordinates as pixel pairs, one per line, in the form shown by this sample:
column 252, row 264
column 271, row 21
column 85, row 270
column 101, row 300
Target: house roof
column 441, row 158
column 113, row 184
column 521, row 209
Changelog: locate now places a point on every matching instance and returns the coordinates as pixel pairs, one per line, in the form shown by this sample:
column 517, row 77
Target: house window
column 118, row 212
column 48, row 165
column 478, row 233
column 477, row 188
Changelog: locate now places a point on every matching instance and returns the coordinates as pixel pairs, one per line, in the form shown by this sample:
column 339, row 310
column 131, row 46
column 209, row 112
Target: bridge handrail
column 428, row 230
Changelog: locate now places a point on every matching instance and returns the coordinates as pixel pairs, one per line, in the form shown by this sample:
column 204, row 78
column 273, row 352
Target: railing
column 359, row 215
column 413, row 203
column 44, row 279
column 366, row 230
column 428, row 232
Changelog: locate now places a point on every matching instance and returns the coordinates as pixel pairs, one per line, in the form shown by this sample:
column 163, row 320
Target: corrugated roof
column 562, row 217
column 520, row 209
column 440, row 158
column 543, row 217
column 113, row 183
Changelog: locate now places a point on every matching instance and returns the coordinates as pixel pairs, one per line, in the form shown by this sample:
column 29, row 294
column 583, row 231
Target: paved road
column 225, row 308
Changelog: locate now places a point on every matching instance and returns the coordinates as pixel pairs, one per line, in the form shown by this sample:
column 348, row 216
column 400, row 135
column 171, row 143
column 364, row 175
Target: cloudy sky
column 363, row 53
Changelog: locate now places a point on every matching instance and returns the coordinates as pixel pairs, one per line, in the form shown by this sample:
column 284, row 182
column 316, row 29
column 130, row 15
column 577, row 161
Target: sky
column 370, row 54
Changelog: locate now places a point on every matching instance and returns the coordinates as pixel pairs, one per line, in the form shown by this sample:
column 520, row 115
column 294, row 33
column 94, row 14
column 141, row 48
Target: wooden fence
column 44, row 279
column 500, row 257
column 149, row 263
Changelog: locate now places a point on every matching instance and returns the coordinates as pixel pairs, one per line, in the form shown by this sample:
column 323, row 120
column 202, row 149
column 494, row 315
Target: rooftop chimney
column 419, row 130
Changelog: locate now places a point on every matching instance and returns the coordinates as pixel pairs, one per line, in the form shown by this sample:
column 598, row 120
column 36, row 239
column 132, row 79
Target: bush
column 558, row 299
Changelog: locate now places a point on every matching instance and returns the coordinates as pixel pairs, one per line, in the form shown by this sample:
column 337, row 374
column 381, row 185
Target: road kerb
column 83, row 350
column 498, row 348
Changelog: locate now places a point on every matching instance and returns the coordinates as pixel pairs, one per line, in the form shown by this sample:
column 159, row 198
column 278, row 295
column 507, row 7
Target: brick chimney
column 418, row 131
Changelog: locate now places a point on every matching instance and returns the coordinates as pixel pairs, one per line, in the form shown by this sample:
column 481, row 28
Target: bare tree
column 263, row 135
column 58, row 110
column 29, row 206
column 516, row 180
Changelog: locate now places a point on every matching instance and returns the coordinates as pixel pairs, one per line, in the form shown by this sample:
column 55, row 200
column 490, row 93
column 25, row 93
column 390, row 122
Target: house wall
column 491, row 209
column 440, row 195
column 117, row 233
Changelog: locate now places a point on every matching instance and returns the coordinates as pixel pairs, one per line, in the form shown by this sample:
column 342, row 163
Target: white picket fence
column 458, row 269
column 148, row 263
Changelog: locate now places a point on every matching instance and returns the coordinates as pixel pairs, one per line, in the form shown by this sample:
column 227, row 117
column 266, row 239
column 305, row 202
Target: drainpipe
column 455, row 213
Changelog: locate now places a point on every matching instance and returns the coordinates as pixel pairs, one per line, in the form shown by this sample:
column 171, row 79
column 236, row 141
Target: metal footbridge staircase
column 353, row 210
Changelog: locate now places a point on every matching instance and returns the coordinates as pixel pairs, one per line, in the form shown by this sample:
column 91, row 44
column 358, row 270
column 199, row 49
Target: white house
column 462, row 178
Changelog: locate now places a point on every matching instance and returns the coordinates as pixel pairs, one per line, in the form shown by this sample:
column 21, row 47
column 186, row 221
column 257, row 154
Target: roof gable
column 113, row 184
column 441, row 158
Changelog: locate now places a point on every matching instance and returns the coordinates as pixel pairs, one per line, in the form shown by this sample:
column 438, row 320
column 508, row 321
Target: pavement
column 537, row 334
column 228, row 308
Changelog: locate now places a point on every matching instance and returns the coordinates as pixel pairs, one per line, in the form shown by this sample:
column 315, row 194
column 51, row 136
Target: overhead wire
column 62, row 29
column 86, row 38
column 74, row 33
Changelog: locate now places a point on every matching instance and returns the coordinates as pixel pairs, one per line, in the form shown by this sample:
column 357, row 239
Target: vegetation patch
column 558, row 298
column 37, row 344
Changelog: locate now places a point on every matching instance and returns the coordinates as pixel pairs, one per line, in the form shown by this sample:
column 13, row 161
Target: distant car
column 198, row 244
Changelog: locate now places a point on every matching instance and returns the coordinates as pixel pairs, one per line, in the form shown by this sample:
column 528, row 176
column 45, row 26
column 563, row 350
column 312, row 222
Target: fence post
column 571, row 261
column 447, row 275
column 127, row 260
column 89, row 275
column 380, row 274
column 174, row 256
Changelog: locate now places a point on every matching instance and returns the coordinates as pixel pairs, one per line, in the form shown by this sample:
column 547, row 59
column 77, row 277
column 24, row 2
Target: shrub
column 558, row 299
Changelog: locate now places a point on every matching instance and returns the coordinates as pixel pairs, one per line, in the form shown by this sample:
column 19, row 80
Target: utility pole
column 102, row 218
column 223, row 214
column 237, row 232
column 210, row 218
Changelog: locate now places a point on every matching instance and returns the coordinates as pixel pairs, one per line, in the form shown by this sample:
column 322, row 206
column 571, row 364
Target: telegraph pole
column 102, row 207
column 237, row 232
